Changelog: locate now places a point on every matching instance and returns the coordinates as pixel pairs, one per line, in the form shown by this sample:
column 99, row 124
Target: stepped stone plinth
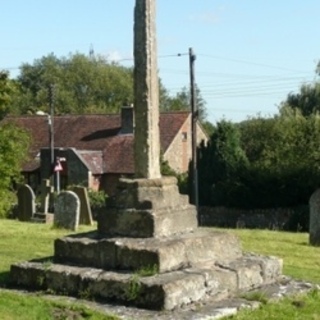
column 148, row 208
column 111, row 263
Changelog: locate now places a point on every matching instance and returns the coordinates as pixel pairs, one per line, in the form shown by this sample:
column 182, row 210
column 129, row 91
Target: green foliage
column 97, row 202
column 165, row 168
column 8, row 199
column 85, row 85
column 284, row 159
column 182, row 101
column 14, row 143
column 97, row 198
column 7, row 89
column 134, row 288
column 307, row 101
column 182, row 178
column 82, row 85
column 262, row 163
column 219, row 163
column 183, row 183
column 147, row 271
column 208, row 128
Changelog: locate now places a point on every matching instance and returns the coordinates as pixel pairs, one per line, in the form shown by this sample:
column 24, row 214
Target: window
column 184, row 136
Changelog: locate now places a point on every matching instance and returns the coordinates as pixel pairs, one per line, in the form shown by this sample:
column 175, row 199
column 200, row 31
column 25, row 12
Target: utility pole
column 194, row 119
column 51, row 129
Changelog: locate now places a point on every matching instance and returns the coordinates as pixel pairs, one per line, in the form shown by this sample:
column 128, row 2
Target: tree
column 86, row 85
column 14, row 143
column 284, row 158
column 82, row 85
column 182, row 101
column 218, row 164
column 7, row 88
column 307, row 100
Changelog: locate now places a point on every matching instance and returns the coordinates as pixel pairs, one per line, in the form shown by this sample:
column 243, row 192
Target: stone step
column 145, row 223
column 165, row 254
column 145, row 208
column 161, row 291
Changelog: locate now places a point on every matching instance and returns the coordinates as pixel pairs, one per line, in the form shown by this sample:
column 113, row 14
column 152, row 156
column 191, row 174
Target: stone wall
column 294, row 219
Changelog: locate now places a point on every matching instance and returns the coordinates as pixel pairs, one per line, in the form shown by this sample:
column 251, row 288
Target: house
column 96, row 150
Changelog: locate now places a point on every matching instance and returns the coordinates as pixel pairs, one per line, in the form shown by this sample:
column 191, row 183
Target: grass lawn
column 23, row 241
column 301, row 261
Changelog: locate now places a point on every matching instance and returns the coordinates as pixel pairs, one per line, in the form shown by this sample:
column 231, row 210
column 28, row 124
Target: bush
column 97, row 201
column 7, row 203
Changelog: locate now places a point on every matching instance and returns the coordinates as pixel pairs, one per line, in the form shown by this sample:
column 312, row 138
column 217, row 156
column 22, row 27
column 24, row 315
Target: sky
column 250, row 54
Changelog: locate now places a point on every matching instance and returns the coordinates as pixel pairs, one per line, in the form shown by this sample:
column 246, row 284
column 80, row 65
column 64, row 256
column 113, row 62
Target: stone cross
column 146, row 92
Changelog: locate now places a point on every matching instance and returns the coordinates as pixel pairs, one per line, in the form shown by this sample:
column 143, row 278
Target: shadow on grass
column 4, row 279
column 305, row 244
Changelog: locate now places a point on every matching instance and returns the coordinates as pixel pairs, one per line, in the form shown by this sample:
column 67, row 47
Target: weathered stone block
column 148, row 194
column 28, row 274
column 271, row 267
column 206, row 245
column 162, row 291
column 86, row 251
column 147, row 223
column 164, row 254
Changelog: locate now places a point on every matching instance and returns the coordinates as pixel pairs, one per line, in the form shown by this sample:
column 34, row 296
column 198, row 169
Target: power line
column 247, row 62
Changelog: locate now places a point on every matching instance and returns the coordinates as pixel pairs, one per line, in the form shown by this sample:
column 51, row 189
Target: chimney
column 127, row 119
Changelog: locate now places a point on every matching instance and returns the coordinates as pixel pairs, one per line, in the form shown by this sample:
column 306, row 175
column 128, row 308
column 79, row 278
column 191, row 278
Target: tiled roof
column 93, row 159
column 95, row 133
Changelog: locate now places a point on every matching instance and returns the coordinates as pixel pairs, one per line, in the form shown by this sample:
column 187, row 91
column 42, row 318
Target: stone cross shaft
column 146, row 92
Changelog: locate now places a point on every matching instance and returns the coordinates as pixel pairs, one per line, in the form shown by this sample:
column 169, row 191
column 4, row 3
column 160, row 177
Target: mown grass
column 21, row 241
column 301, row 261
column 24, row 241
column 300, row 307
column 15, row 306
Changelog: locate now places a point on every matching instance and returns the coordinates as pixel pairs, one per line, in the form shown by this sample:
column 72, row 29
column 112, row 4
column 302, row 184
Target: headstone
column 26, row 203
column 67, row 210
column 85, row 209
column 314, row 224
column 146, row 92
column 46, row 191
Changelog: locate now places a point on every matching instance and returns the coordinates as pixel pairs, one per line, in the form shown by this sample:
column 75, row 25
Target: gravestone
column 26, row 203
column 67, row 210
column 46, row 191
column 148, row 225
column 314, row 224
column 46, row 201
column 85, row 209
